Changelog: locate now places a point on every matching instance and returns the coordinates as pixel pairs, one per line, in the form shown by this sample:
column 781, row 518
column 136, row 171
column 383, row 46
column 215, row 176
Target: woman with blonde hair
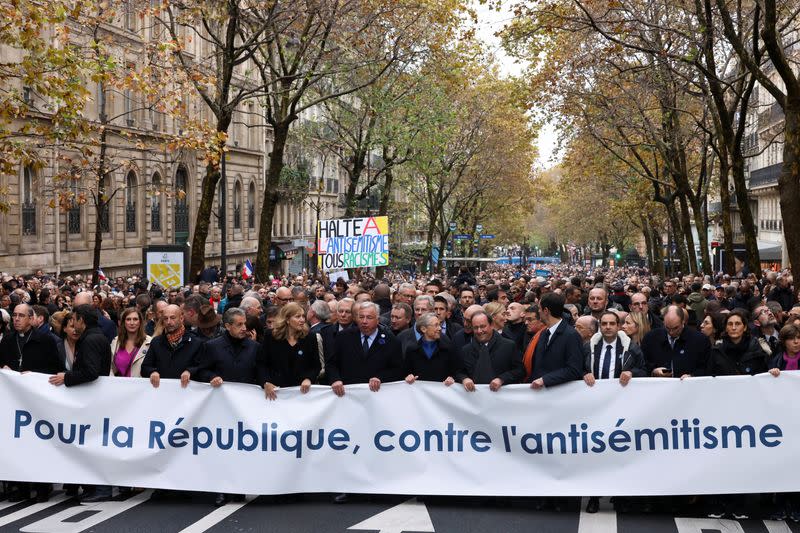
column 499, row 315
column 130, row 346
column 289, row 354
column 636, row 326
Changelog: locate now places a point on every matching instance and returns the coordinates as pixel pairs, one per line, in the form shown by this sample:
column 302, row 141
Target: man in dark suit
column 92, row 359
column 231, row 357
column 611, row 354
column 558, row 357
column 442, row 310
column 367, row 354
column 489, row 358
column 464, row 337
column 676, row 351
column 318, row 316
column 29, row 349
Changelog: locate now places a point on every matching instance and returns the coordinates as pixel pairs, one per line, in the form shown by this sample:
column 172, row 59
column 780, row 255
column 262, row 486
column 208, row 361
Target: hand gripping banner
column 652, row 437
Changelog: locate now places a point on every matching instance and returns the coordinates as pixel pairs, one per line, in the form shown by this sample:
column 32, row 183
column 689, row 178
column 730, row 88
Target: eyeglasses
column 282, row 299
column 21, row 315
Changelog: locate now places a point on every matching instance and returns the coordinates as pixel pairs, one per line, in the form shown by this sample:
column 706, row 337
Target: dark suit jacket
column 445, row 362
column 689, row 356
column 170, row 363
column 232, row 361
column 288, row 366
column 561, row 359
column 506, row 360
column 92, row 358
column 407, row 338
column 461, row 339
column 628, row 357
column 39, row 353
column 351, row 365
column 452, row 329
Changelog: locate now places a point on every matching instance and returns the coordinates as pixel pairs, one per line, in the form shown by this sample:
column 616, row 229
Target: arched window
column 28, row 201
column 131, row 191
column 155, row 204
column 237, row 205
column 181, row 205
column 104, row 193
column 251, row 206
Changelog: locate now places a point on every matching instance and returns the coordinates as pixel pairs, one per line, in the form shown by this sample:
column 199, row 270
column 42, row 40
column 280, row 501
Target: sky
column 490, row 22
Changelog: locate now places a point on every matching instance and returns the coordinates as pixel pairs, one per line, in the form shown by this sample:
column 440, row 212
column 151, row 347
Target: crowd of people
column 500, row 326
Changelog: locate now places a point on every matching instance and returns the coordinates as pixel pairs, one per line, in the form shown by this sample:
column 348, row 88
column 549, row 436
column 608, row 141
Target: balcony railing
column 765, row 177
column 770, row 116
column 74, row 220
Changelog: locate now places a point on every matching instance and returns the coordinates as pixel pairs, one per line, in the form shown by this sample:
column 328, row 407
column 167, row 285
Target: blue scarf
column 429, row 347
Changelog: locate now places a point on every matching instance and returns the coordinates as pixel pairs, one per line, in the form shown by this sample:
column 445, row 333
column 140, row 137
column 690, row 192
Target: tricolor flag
column 101, row 275
column 247, row 270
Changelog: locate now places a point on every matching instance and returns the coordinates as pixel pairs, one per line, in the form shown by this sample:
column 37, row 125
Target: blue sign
column 453, row 226
column 487, row 236
column 543, row 273
column 462, row 237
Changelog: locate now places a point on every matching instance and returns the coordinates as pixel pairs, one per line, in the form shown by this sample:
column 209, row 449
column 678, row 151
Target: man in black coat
column 639, row 304
column 464, row 337
column 675, row 350
column 175, row 354
column 92, row 359
column 489, row 358
column 442, row 309
column 351, row 363
column 28, row 349
column 367, row 354
column 231, row 357
column 558, row 357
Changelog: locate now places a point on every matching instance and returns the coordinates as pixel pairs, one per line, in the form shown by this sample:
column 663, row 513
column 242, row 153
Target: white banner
column 653, row 437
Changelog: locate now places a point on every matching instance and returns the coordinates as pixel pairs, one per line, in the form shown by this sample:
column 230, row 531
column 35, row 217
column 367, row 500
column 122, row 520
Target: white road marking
column 603, row 521
column 32, row 509
column 107, row 510
column 777, row 526
column 212, row 519
column 697, row 525
column 411, row 515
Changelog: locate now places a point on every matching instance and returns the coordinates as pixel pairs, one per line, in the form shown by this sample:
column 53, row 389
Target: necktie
column 365, row 345
column 546, row 337
column 671, row 342
column 606, row 362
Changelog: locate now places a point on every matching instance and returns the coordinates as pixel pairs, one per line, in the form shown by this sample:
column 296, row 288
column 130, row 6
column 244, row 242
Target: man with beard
column 231, row 357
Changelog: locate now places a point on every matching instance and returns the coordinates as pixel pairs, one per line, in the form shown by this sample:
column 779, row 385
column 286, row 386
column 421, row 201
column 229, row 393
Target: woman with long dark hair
column 130, row 346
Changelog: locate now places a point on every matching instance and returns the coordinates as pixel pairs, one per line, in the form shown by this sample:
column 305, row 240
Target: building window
column 74, row 213
column 129, row 15
column 155, row 205
column 181, row 205
column 103, row 194
column 237, row 206
column 28, row 202
column 251, row 206
column 130, row 202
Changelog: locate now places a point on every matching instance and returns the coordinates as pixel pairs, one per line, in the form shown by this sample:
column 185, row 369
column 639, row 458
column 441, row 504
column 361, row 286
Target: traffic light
column 617, row 256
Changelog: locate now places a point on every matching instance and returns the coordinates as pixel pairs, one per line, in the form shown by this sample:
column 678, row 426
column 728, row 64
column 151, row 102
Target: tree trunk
column 788, row 185
column 728, row 266
column 648, row 243
column 352, row 187
column 658, row 249
column 676, row 238
column 428, row 265
column 99, row 202
column 686, row 227
column 699, row 213
column 280, row 133
column 753, row 260
column 203, row 221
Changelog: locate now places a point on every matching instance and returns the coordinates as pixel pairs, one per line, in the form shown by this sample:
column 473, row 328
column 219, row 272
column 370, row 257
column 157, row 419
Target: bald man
column 107, row 325
column 586, row 326
column 463, row 337
column 282, row 296
column 175, row 353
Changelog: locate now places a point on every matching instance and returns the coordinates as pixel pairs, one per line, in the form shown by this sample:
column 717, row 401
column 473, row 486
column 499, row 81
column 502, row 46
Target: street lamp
column 317, row 206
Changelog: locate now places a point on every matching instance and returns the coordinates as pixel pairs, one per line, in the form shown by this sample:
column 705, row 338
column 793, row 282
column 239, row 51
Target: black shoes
column 340, row 498
column 593, row 505
column 221, row 500
column 18, row 495
column 95, row 498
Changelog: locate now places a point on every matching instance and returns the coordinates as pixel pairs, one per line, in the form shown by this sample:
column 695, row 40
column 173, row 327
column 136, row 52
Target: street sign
column 479, row 227
column 453, row 226
column 487, row 236
column 462, row 237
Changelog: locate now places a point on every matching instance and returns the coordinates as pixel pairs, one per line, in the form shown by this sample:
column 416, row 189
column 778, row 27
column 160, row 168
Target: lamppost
column 317, row 206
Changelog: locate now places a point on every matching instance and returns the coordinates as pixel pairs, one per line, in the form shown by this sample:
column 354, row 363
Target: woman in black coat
column 737, row 352
column 432, row 358
column 289, row 354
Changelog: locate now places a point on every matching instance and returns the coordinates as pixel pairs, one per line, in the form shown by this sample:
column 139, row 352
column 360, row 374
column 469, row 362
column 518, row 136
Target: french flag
column 247, row 270
column 101, row 275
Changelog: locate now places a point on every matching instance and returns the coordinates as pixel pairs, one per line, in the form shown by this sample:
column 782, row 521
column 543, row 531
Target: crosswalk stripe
column 214, row 518
column 32, row 509
column 603, row 521
column 777, row 526
column 102, row 511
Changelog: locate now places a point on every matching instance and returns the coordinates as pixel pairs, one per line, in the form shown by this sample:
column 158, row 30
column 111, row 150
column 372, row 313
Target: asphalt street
column 195, row 513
